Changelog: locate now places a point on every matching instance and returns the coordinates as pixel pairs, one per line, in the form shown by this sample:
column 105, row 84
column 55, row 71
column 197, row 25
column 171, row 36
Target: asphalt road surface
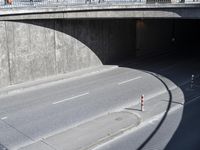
column 179, row 69
column 33, row 115
column 36, row 114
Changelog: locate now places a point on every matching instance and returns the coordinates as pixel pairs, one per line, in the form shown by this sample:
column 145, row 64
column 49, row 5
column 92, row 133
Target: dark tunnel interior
column 118, row 40
column 178, row 61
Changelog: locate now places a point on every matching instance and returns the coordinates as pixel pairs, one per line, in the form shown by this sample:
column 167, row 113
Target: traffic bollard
column 142, row 103
column 192, row 82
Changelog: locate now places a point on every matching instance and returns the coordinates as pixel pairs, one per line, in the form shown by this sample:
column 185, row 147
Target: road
column 186, row 136
column 182, row 67
column 43, row 112
column 36, row 114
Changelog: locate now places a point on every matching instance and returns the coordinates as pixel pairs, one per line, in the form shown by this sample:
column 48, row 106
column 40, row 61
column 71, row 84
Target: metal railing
column 37, row 3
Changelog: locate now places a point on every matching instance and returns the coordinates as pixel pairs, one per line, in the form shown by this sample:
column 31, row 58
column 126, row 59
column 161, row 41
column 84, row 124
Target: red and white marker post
column 142, row 102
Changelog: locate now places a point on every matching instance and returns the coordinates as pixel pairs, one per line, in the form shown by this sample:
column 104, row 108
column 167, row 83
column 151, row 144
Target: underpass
column 156, row 57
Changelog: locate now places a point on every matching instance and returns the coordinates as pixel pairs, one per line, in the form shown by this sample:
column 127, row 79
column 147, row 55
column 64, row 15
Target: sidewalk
column 52, row 80
column 89, row 134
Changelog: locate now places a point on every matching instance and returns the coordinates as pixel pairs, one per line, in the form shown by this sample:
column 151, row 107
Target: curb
column 50, row 81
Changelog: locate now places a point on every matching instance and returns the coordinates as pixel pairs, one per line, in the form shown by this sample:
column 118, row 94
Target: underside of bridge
column 34, row 49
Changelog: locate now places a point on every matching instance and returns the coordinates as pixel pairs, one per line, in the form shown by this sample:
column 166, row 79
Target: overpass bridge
column 104, row 10
column 40, row 40
column 45, row 38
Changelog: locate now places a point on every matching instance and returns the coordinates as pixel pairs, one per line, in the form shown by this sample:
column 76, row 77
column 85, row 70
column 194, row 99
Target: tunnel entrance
column 161, row 35
column 118, row 40
column 40, row 48
column 170, row 48
column 34, row 49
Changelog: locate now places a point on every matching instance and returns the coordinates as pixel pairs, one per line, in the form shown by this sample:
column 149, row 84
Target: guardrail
column 38, row 3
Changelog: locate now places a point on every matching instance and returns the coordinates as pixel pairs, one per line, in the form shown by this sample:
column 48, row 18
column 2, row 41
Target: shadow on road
column 178, row 69
column 164, row 116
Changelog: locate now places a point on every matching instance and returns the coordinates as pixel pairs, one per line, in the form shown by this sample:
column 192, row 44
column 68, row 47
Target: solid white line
column 4, row 118
column 123, row 82
column 194, row 99
column 77, row 96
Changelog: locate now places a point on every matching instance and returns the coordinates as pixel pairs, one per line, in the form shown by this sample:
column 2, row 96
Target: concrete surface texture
column 52, row 80
column 87, row 112
column 87, row 136
column 106, row 10
column 40, row 48
column 36, row 49
column 41, row 116
column 153, row 36
column 125, row 126
column 4, row 69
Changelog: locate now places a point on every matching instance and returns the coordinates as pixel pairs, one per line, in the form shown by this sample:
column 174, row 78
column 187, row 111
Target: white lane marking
column 194, row 99
column 77, row 96
column 126, row 81
column 4, row 118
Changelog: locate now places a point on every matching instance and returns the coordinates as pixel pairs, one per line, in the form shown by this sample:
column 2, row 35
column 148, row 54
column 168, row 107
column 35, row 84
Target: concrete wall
column 106, row 10
column 35, row 49
column 186, row 33
column 29, row 52
column 160, row 35
column 4, row 65
column 111, row 40
column 153, row 36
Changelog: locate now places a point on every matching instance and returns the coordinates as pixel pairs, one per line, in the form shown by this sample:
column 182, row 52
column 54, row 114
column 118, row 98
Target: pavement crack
column 48, row 144
column 11, row 126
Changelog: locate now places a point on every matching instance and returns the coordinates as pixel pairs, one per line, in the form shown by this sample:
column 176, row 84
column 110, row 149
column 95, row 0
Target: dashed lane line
column 130, row 80
column 3, row 118
column 67, row 99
